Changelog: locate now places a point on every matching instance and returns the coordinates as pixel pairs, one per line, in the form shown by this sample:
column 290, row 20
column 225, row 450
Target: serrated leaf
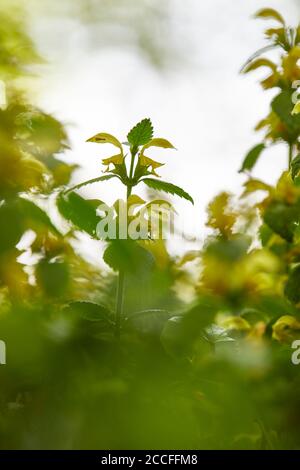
column 92, row 181
column 104, row 138
column 270, row 13
column 252, row 157
column 169, row 188
column 141, row 134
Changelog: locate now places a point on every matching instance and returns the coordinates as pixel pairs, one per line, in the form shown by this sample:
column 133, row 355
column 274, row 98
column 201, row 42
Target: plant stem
column 120, row 302
column 133, row 154
column 121, row 276
column 291, row 148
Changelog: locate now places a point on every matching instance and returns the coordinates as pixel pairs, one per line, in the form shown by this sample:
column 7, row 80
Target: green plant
column 131, row 169
column 281, row 124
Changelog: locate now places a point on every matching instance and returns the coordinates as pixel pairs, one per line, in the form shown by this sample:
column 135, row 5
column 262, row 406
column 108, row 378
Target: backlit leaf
column 128, row 256
column 252, row 157
column 92, row 181
column 170, row 188
column 81, row 212
column 141, row 134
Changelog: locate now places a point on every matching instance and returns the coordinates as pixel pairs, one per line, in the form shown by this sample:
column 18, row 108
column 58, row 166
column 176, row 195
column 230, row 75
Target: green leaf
column 265, row 234
column 262, row 62
column 34, row 213
column 170, row 188
column 295, row 166
column 141, row 134
column 291, row 290
column 11, row 219
column 18, row 215
column 229, row 251
column 128, row 256
column 181, row 332
column 90, row 311
column 283, row 106
column 282, row 219
column 92, row 181
column 53, row 277
column 81, row 212
column 148, row 322
column 252, row 157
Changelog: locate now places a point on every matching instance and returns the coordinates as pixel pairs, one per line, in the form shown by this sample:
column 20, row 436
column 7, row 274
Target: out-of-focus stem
column 120, row 302
column 121, row 276
column 291, row 149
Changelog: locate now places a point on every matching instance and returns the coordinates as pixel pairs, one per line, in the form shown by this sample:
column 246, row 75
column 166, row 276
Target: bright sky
column 201, row 103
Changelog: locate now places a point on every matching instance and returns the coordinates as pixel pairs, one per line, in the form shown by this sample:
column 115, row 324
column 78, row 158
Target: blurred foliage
column 213, row 373
column 144, row 27
column 281, row 124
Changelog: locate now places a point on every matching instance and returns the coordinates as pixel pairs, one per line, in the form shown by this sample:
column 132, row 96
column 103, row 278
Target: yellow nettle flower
column 286, row 329
column 148, row 162
column 152, row 164
column 114, row 160
column 291, row 70
column 104, row 138
column 296, row 109
column 270, row 14
column 239, row 324
column 234, row 323
column 257, row 331
column 273, row 79
column 254, row 273
column 286, row 189
column 220, row 215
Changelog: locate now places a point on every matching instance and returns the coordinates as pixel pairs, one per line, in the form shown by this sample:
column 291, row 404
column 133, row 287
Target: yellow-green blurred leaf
column 270, row 13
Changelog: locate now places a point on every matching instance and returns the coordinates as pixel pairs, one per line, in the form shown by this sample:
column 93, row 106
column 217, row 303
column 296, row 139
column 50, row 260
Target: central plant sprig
column 140, row 138
column 131, row 168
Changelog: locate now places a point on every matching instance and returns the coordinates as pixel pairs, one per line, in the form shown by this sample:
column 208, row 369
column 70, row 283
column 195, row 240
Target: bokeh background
column 202, row 357
column 111, row 63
